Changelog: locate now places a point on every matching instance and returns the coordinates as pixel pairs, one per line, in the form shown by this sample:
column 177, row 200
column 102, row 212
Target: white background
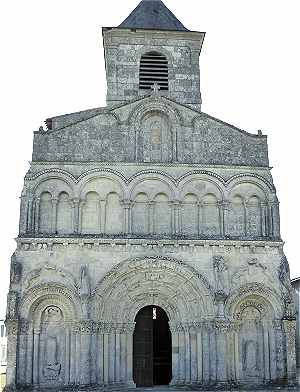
column 51, row 62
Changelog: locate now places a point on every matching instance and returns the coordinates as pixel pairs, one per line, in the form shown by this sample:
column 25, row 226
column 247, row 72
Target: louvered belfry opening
column 154, row 70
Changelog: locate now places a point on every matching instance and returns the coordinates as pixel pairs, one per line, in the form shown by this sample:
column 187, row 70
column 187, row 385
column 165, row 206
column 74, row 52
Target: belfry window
column 154, row 70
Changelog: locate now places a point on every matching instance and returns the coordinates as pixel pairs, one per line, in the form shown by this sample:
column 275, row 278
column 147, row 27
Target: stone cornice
column 223, row 245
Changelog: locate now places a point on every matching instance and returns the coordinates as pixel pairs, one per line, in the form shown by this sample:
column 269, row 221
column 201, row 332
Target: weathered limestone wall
column 124, row 48
column 77, row 300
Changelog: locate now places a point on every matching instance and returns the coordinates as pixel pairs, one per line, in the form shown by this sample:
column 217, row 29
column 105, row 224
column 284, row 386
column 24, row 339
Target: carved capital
column 12, row 327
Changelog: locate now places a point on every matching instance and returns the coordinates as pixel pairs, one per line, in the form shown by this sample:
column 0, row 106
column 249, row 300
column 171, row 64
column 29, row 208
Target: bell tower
column 152, row 47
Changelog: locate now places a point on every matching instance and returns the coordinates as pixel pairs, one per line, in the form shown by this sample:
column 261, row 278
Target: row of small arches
column 159, row 215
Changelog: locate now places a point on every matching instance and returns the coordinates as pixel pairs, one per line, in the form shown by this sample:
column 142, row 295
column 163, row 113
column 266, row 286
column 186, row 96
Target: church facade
column 149, row 250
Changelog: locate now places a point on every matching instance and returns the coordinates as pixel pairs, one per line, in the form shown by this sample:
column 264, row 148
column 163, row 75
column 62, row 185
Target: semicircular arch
column 178, row 288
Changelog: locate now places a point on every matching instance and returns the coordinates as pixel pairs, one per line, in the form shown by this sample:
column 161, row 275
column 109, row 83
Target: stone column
column 75, row 206
column 194, row 351
column 22, row 354
column 127, row 216
column 206, row 354
column 12, row 327
column 151, row 207
column 37, row 215
column 187, row 354
column 29, row 357
column 36, row 347
column 279, row 341
column 102, row 216
column 73, row 356
column 221, row 218
column 182, row 356
column 67, row 355
column 266, row 350
column 24, row 206
column 275, row 218
column 177, row 227
column 264, row 231
column 246, row 218
column 129, row 341
column 81, row 206
column 222, row 354
column 111, row 355
column 123, row 363
column 199, row 354
column 85, row 350
column 200, row 218
column 54, row 215
column 290, row 333
column 118, row 355
column 226, row 212
column 175, row 354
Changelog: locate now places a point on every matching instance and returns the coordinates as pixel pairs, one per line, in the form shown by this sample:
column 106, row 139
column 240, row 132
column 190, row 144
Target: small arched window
column 154, row 70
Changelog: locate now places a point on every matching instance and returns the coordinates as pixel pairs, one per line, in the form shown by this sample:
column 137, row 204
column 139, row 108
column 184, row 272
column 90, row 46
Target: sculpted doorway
column 152, row 348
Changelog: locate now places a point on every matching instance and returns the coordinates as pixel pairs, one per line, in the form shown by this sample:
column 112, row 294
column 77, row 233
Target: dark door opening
column 152, row 348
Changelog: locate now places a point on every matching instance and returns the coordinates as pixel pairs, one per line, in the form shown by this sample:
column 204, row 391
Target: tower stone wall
column 149, row 201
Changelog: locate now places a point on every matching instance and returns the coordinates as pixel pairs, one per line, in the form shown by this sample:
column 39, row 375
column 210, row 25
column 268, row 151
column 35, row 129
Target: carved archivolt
column 258, row 296
column 37, row 299
column 182, row 292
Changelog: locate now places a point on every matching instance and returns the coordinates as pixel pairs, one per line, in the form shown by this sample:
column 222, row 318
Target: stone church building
column 149, row 250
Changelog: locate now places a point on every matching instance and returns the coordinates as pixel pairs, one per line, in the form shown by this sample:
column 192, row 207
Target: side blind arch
column 154, row 69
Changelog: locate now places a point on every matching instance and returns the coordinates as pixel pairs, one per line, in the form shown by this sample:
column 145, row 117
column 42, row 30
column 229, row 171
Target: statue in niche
column 12, row 305
column 53, row 334
column 15, row 270
column 85, row 288
column 250, row 355
column 286, row 288
column 157, row 139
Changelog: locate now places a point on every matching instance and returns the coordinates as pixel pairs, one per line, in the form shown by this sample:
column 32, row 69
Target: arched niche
column 156, row 140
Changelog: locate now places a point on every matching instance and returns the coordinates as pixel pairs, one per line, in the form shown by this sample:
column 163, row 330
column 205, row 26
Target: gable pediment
column 150, row 129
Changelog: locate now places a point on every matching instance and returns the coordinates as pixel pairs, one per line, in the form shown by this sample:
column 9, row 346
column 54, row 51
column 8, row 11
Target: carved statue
column 85, row 287
column 287, row 291
column 12, row 305
column 15, row 271
column 250, row 365
column 220, row 271
column 53, row 331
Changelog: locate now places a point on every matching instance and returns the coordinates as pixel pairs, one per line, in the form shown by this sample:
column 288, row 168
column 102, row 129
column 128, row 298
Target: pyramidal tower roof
column 152, row 14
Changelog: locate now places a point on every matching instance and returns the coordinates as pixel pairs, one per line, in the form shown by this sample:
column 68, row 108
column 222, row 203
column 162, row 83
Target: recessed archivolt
column 135, row 283
column 200, row 185
column 103, row 185
column 39, row 297
column 55, row 185
column 145, row 185
column 257, row 294
column 154, row 105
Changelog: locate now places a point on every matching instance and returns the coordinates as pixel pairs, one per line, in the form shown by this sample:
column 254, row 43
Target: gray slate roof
column 152, row 14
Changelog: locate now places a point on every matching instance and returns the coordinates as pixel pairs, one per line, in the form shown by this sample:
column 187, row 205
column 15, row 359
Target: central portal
column 152, row 348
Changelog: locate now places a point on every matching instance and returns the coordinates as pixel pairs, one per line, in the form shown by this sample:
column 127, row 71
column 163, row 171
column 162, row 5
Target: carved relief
column 12, row 305
column 156, row 135
column 220, row 273
column 49, row 273
column 248, row 273
column 53, row 338
column 15, row 271
column 250, row 343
